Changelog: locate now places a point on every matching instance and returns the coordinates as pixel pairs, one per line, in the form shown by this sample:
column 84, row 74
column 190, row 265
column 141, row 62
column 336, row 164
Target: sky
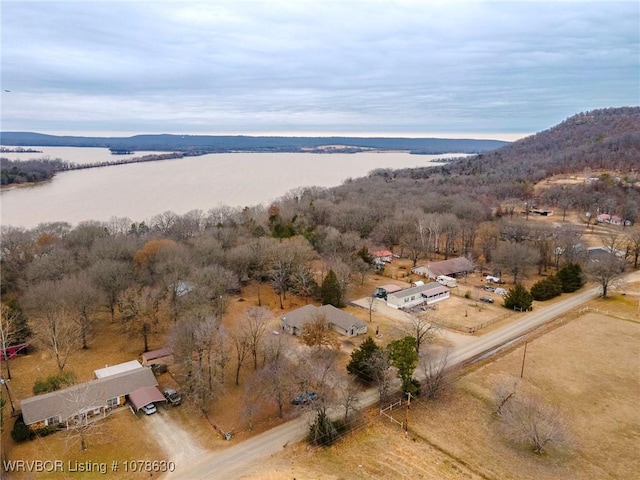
column 481, row 69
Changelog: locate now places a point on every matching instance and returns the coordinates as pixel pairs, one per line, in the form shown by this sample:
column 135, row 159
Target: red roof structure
column 144, row 396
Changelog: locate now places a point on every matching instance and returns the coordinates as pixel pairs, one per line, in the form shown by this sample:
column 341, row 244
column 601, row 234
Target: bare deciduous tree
column 254, row 326
column 10, row 332
column 81, row 426
column 348, row 398
column 371, row 301
column 516, row 258
column 504, row 390
column 381, row 372
column 487, row 239
column 286, row 258
column 531, row 421
column 633, row 246
column 423, row 326
column 111, row 277
column 318, row 333
column 303, row 283
column 81, row 300
column 605, row 270
column 432, row 365
column 200, row 348
column 274, row 382
column 141, row 311
column 53, row 325
column 242, row 349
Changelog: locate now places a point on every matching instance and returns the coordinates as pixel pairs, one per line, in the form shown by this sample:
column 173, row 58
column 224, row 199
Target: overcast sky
column 483, row 69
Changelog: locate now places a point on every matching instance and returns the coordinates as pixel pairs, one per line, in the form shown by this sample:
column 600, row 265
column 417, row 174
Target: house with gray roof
column 339, row 320
column 410, row 297
column 453, row 267
column 85, row 400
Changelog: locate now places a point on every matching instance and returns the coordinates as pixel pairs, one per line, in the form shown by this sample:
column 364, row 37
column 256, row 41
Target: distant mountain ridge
column 588, row 143
column 231, row 143
column 604, row 139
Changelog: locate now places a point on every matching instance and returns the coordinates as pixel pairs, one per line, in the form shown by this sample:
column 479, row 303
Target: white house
column 410, row 297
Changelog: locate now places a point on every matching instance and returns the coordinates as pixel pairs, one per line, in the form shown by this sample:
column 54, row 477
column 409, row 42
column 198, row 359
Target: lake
column 78, row 155
column 139, row 191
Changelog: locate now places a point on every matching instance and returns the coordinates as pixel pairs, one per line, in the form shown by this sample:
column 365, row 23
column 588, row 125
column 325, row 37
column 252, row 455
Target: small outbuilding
column 163, row 356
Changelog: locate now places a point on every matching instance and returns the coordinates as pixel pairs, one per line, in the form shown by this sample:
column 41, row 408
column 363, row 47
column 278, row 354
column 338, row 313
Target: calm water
column 81, row 156
column 139, row 191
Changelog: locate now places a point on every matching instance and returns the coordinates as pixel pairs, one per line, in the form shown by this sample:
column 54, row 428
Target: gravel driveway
column 177, row 443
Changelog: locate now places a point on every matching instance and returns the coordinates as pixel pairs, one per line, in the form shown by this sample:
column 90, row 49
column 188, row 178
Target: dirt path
column 177, row 443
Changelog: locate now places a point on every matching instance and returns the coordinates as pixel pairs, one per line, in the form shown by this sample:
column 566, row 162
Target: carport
column 144, row 396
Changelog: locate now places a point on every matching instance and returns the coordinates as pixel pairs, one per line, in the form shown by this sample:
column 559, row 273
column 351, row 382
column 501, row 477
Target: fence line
column 390, row 408
column 609, row 314
column 597, row 310
column 475, row 328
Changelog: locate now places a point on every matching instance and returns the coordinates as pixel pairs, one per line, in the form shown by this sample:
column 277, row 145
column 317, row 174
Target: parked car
column 172, row 397
column 158, row 368
column 149, row 409
column 486, row 299
column 489, row 289
column 304, row 398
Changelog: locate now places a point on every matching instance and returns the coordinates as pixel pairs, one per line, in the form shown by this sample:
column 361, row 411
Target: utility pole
column 524, row 355
column 406, row 416
column 4, row 382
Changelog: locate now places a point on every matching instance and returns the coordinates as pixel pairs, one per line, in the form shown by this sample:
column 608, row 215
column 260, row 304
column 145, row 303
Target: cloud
column 260, row 66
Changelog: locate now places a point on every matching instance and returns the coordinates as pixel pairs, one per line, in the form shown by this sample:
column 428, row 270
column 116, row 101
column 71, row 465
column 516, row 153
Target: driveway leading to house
column 177, row 443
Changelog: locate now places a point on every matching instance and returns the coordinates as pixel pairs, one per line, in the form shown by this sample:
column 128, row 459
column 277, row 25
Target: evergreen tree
column 364, row 254
column 360, row 364
column 547, row 288
column 518, row 298
column 404, row 357
column 331, row 291
column 571, row 278
column 322, row 432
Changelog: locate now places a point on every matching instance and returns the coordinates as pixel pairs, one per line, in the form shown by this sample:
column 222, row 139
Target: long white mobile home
column 410, row 297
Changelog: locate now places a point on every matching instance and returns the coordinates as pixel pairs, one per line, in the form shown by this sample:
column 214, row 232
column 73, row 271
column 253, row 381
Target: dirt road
column 232, row 462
